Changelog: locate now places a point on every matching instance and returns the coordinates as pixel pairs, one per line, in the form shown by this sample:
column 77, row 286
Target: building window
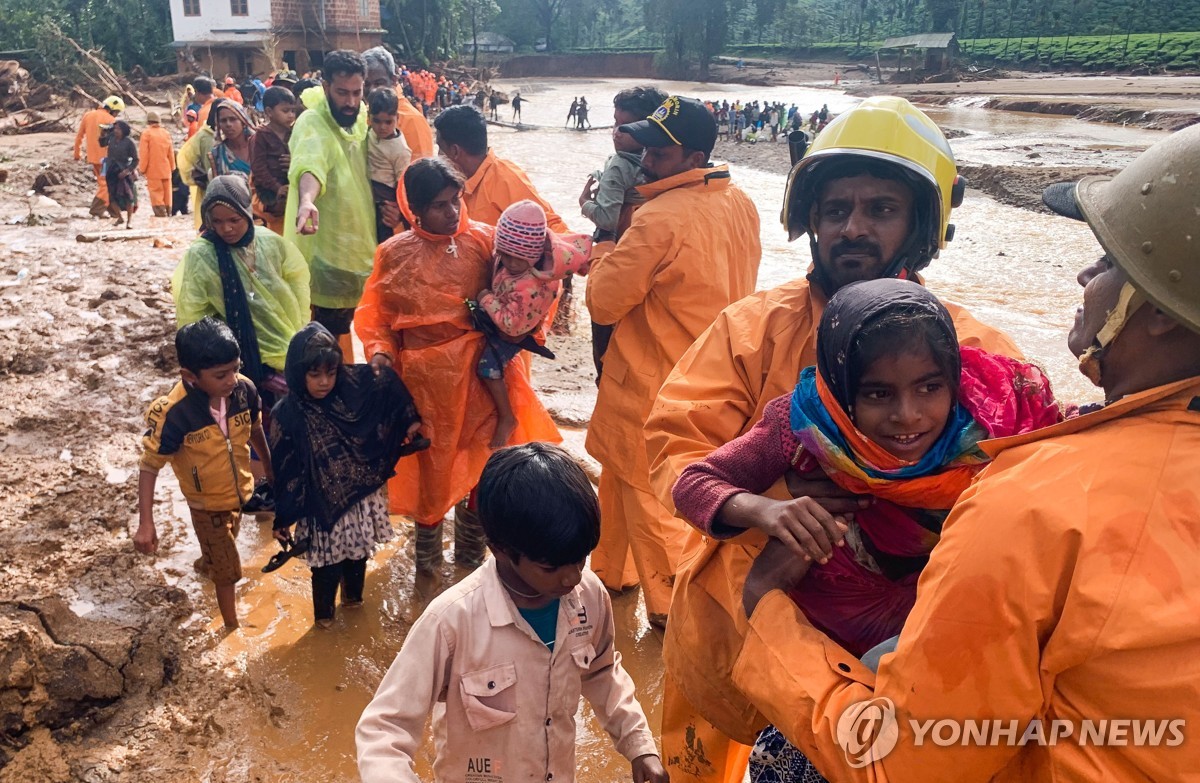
column 237, row 7
column 191, row 7
column 364, row 8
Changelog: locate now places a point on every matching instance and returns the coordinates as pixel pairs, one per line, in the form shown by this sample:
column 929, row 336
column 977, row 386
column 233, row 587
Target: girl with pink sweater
column 530, row 265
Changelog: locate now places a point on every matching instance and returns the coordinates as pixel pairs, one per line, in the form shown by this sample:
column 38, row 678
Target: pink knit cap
column 521, row 231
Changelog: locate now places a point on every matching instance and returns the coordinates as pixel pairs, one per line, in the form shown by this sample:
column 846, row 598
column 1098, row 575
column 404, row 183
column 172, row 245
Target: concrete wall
column 216, row 22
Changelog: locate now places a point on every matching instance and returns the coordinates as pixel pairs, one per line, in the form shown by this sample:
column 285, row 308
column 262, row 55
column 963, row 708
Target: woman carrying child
column 120, row 172
column 530, row 265
column 335, row 441
column 895, row 409
column 411, row 317
column 250, row 277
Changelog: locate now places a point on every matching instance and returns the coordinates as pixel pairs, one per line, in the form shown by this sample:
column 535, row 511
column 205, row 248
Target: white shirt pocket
column 488, row 696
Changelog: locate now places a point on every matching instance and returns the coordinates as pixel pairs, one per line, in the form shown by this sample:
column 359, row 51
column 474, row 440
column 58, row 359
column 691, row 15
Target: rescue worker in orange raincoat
column 413, row 317
column 873, row 195
column 690, row 250
column 493, row 184
column 89, row 130
column 232, row 92
column 381, row 72
column 156, row 156
column 1062, row 601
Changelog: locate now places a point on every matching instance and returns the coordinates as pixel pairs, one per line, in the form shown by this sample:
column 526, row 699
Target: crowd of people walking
column 835, row 493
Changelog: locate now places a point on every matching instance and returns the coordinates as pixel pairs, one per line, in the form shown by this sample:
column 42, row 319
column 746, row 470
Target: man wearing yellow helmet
column 1060, row 604
column 90, row 127
column 874, row 195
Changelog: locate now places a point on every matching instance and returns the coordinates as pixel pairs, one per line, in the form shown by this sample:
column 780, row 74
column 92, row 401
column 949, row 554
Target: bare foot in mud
column 505, row 425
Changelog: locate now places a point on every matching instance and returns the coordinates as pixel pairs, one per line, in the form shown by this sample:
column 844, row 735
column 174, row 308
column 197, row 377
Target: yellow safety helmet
column 114, row 104
column 887, row 130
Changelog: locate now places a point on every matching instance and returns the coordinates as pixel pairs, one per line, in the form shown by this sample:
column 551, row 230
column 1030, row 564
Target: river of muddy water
column 1013, row 268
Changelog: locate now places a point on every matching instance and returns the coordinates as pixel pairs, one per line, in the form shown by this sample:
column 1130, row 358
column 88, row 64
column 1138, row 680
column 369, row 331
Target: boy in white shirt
column 501, row 659
column 388, row 154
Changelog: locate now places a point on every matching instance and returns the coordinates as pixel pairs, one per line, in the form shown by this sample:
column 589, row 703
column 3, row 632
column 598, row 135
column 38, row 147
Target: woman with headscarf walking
column 250, row 277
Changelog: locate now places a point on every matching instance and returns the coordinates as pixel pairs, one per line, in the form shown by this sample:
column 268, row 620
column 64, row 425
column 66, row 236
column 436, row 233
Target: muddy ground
column 111, row 666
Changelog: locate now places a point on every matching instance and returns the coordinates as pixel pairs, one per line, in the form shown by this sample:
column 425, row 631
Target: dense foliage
column 688, row 33
column 130, row 32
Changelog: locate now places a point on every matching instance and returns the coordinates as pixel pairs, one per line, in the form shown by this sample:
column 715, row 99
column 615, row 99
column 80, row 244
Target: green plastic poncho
column 277, row 290
column 342, row 252
column 194, row 152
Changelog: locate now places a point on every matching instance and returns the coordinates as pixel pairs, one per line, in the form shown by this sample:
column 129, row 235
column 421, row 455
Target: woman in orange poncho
column 413, row 317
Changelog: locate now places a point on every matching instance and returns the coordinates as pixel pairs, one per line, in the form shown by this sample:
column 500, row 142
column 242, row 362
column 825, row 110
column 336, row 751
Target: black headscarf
column 232, row 191
column 329, row 454
column 852, row 309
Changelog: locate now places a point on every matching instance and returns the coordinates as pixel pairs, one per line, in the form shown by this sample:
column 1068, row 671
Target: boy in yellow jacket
column 204, row 428
column 156, row 151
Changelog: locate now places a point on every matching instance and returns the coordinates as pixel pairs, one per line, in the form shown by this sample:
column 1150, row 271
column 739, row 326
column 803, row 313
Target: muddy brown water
column 1012, row 268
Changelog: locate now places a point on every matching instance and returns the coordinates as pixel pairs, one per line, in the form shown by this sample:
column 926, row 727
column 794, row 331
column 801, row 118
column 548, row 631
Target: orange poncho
column 413, row 310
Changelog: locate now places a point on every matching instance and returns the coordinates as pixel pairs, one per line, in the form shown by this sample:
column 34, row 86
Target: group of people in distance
column 838, row 492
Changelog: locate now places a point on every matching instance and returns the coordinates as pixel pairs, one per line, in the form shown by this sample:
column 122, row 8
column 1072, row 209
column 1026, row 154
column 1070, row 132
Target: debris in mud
column 62, row 671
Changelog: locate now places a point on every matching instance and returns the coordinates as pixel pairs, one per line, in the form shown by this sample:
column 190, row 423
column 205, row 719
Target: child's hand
column 282, row 534
column 803, row 526
column 589, row 191
column 145, row 540
column 649, row 769
column 775, row 568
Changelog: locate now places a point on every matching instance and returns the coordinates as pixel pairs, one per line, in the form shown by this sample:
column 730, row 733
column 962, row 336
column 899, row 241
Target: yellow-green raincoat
column 340, row 255
column 277, row 289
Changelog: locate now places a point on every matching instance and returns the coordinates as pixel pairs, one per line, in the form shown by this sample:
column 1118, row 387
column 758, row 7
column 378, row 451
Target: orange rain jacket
column 752, row 353
column 413, row 310
column 1064, row 588
column 496, row 186
column 156, row 153
column 690, row 250
column 89, row 131
column 414, row 127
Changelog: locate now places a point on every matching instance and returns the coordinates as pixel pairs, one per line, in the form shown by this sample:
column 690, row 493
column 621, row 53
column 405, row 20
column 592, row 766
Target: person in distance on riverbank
column 873, row 195
column 690, row 250
column 1072, row 558
column 500, row 659
column 206, row 422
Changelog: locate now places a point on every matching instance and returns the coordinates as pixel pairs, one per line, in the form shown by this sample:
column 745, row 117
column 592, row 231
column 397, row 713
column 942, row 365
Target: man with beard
column 689, row 251
column 873, row 195
column 1063, row 594
column 381, row 72
column 330, row 211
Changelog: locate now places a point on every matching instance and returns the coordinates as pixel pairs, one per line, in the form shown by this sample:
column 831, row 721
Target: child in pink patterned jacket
column 531, row 263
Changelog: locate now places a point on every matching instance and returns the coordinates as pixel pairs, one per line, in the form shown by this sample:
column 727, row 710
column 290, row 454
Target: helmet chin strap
column 1128, row 303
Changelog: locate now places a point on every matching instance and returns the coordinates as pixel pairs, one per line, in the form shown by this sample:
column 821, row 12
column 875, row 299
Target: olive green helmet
column 1147, row 218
